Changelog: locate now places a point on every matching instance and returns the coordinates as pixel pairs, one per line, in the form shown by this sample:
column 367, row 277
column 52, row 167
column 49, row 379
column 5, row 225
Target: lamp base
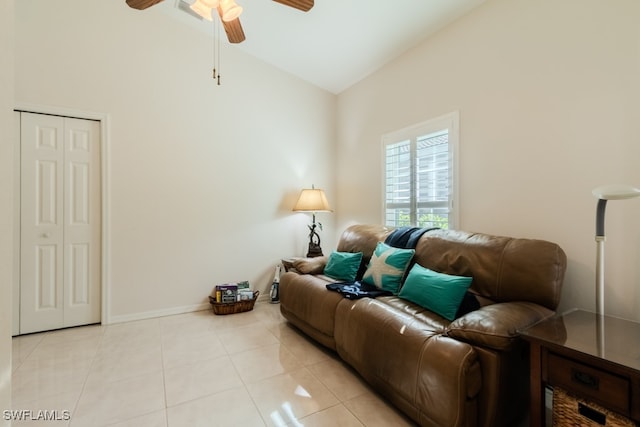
column 314, row 250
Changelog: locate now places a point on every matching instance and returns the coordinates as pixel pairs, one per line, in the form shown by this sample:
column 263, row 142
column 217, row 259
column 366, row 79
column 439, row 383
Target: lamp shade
column 312, row 200
column 616, row 192
column 200, row 7
column 230, row 10
column 211, row 4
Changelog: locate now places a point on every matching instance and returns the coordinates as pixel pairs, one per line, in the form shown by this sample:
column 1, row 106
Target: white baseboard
column 264, row 298
column 157, row 313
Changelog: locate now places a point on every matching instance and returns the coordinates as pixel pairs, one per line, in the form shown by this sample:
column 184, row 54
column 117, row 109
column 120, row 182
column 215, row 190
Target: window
column 420, row 185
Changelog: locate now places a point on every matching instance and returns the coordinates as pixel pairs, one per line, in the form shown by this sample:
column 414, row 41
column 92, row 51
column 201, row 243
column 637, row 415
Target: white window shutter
column 419, row 174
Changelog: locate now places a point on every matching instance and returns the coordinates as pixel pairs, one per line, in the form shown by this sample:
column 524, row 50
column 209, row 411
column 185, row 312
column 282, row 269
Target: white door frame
column 104, row 119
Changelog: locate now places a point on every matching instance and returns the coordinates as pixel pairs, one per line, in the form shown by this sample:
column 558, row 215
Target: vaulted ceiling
column 338, row 42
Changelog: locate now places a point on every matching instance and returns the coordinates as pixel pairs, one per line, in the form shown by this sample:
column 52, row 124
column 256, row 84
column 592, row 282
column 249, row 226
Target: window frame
column 449, row 122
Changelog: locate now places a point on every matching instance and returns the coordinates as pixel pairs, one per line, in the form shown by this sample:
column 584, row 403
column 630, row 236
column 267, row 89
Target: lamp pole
column 600, row 238
column 605, row 193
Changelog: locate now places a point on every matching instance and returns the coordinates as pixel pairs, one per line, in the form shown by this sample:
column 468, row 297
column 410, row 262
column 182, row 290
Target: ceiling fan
column 228, row 11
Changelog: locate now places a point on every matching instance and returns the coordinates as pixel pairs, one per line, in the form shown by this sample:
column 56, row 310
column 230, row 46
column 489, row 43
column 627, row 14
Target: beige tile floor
column 195, row 369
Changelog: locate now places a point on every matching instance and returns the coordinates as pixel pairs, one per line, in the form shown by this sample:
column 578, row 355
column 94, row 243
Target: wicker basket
column 233, row 307
column 570, row 411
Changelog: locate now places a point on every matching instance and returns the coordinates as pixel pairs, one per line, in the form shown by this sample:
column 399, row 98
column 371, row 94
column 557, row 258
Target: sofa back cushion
column 503, row 268
column 363, row 238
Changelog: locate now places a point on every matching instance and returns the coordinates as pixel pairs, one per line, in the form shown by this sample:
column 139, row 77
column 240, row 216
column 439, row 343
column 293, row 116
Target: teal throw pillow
column 343, row 265
column 438, row 292
column 387, row 267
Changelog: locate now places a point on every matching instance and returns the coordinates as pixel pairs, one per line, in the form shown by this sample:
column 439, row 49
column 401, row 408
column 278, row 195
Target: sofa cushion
column 387, row 267
column 306, row 302
column 430, row 377
column 496, row 326
column 503, row 268
column 438, row 292
column 343, row 265
column 428, row 319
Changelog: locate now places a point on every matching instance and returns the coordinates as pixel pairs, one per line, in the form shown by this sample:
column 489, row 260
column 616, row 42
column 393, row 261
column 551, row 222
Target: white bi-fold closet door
column 60, row 270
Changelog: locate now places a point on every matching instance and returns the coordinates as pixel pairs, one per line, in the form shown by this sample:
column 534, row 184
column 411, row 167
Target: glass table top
column 609, row 338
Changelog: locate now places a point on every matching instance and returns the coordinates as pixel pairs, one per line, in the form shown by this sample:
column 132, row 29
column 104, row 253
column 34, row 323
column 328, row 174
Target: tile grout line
column 86, row 378
column 269, row 319
column 164, row 377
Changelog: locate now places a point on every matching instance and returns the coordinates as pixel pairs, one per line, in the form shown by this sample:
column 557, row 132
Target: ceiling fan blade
column 234, row 31
column 303, row 5
column 142, row 4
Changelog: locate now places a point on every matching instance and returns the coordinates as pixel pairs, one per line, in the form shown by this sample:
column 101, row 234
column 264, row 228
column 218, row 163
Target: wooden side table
column 592, row 357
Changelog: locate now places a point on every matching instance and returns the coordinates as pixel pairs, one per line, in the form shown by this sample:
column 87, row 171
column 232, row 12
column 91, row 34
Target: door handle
column 46, row 235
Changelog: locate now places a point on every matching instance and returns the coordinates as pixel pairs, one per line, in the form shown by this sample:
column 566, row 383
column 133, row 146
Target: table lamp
column 313, row 200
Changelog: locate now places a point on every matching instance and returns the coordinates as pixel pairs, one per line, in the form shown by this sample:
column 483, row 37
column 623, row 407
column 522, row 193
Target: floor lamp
column 605, row 193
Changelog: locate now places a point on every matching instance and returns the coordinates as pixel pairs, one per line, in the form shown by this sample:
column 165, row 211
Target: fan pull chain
column 216, row 52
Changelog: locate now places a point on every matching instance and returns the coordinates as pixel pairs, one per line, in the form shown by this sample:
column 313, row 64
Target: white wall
column 549, row 100
column 203, row 177
column 6, row 200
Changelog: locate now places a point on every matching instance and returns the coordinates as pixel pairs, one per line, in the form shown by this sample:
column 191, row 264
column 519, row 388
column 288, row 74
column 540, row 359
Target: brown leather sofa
column 472, row 371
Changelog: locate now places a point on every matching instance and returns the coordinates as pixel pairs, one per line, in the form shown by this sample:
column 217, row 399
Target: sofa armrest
column 496, row 325
column 310, row 265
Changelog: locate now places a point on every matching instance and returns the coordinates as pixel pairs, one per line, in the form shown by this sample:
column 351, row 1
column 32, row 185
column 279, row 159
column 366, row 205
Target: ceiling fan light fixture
column 230, row 10
column 202, row 9
column 211, row 4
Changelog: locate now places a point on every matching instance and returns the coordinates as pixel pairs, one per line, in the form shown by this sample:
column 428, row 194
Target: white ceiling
column 338, row 42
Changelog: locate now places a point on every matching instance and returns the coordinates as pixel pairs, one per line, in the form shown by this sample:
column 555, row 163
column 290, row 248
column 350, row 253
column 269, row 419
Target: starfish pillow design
column 387, row 267
column 379, row 268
